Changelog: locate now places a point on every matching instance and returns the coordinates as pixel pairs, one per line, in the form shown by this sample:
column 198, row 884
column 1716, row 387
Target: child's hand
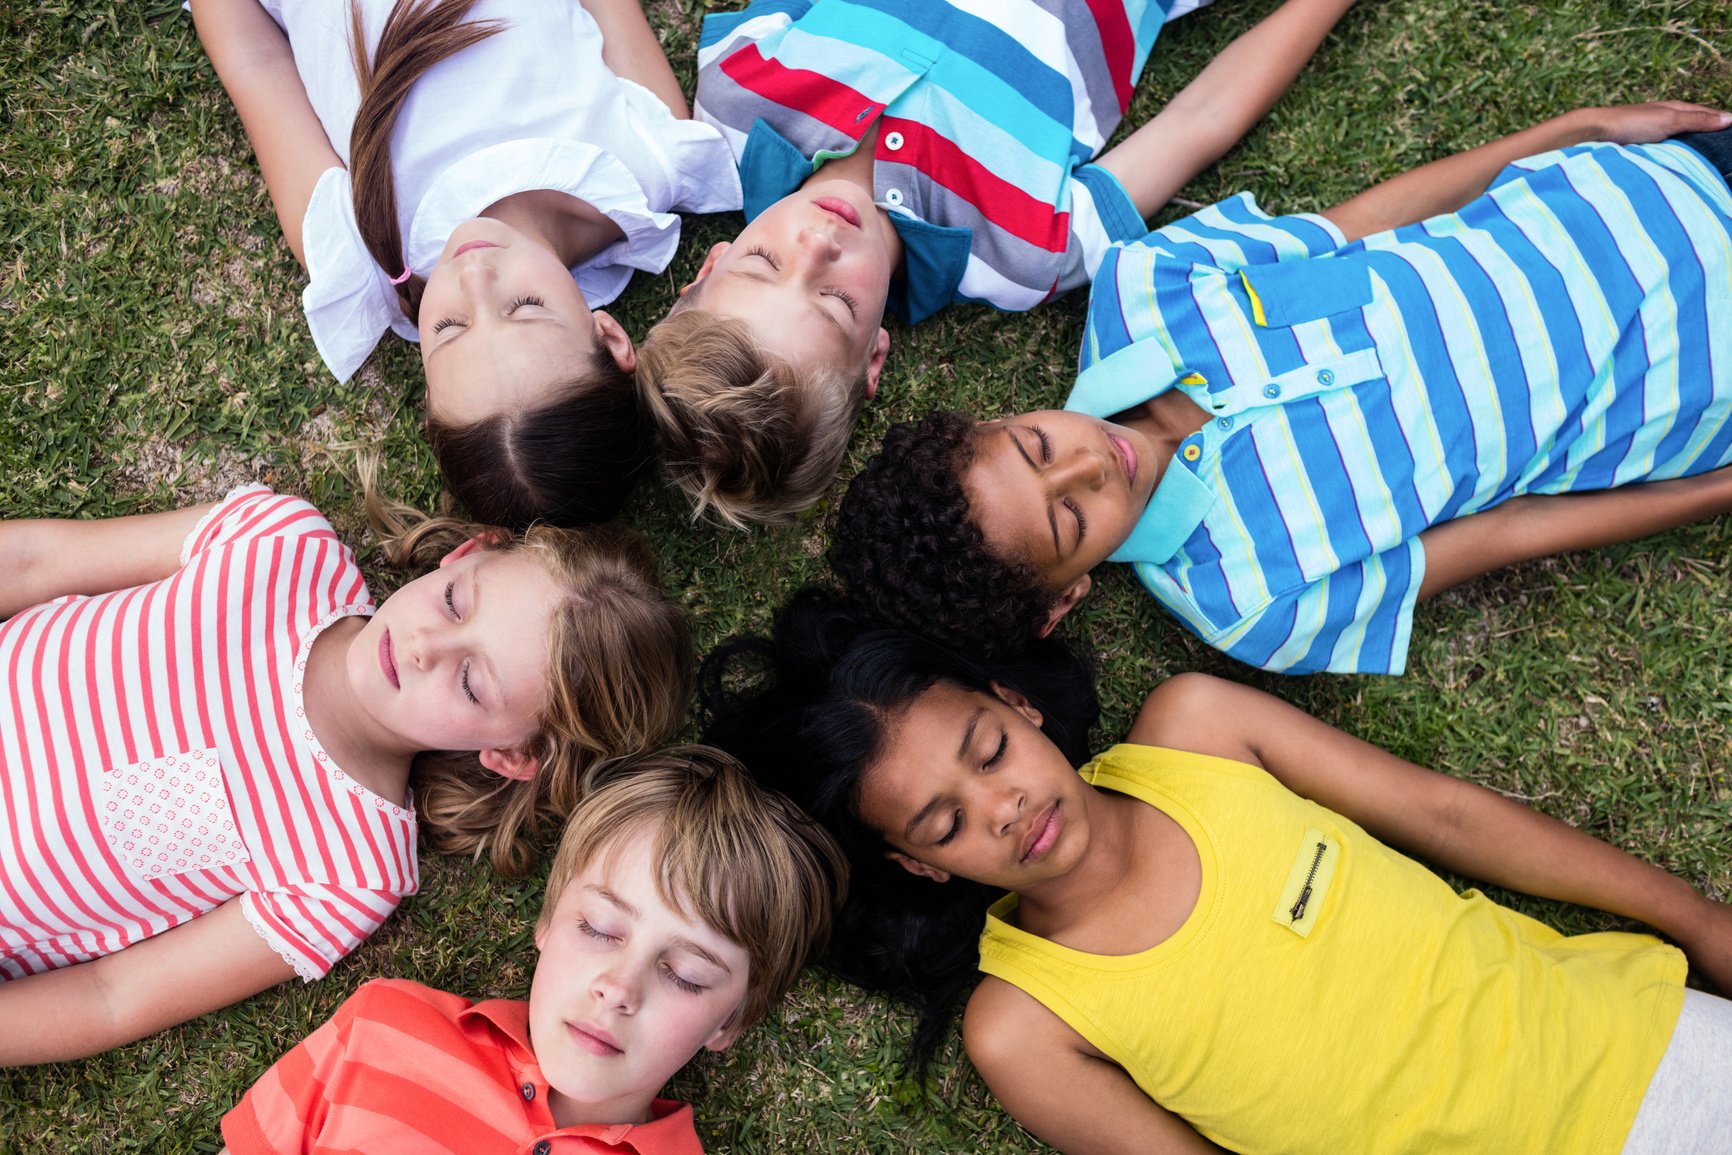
column 1649, row 123
column 1708, row 942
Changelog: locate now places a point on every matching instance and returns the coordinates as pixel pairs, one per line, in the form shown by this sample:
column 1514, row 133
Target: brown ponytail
column 418, row 34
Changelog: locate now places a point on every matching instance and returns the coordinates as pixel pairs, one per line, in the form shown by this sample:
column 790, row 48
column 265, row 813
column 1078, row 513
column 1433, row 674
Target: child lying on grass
column 1212, row 938
column 907, row 154
column 679, row 908
column 1285, row 423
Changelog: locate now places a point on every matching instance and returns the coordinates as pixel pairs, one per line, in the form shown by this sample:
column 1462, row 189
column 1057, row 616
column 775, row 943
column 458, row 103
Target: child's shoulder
column 400, row 1005
column 255, row 511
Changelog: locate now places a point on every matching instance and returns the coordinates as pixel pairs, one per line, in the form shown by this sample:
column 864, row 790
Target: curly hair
column 907, row 547
column 747, row 436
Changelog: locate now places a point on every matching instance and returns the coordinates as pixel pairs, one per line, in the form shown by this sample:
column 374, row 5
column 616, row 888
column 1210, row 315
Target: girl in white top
column 477, row 178
column 207, row 728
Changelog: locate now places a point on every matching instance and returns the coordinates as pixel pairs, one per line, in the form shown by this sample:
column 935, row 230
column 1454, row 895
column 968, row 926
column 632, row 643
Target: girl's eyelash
column 1045, row 445
column 686, row 985
column 519, row 302
column 443, row 322
column 955, row 829
column 1082, row 523
column 584, row 925
column 450, row 603
column 466, row 689
column 1003, row 741
column 755, row 251
column 853, row 305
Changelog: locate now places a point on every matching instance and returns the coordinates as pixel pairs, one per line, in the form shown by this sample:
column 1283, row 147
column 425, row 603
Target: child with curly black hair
column 1285, row 423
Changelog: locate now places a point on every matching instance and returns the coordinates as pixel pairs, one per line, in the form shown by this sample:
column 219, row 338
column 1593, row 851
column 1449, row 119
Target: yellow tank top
column 1329, row 994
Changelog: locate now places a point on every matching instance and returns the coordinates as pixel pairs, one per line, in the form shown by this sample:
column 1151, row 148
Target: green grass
column 154, row 354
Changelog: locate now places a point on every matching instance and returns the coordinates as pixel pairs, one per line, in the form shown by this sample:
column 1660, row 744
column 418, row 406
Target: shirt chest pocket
column 171, row 815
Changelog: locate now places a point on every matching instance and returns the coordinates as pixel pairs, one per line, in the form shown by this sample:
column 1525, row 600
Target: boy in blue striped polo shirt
column 1304, row 410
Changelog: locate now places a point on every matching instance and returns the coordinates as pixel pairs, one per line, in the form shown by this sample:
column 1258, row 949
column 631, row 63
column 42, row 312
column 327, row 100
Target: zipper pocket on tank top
column 1308, row 881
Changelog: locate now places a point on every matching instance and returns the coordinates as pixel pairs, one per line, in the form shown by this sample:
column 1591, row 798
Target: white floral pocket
column 171, row 815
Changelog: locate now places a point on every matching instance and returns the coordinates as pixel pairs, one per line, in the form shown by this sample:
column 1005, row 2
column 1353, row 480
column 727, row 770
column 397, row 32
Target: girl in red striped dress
column 207, row 729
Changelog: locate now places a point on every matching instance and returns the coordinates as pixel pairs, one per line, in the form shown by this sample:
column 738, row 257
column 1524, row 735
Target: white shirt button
column 893, row 141
column 893, row 196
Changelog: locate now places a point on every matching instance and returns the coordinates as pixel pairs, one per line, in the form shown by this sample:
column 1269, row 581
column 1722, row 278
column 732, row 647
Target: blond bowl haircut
column 744, row 860
column 746, row 435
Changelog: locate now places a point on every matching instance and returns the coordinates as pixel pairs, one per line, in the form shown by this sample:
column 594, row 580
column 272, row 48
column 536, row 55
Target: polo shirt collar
column 934, row 257
column 669, row 1131
column 1134, row 374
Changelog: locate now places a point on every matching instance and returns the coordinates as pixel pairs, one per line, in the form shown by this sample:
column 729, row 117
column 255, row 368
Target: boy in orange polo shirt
column 680, row 906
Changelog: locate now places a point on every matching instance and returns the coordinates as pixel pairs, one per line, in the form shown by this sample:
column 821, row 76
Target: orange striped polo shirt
column 403, row 1067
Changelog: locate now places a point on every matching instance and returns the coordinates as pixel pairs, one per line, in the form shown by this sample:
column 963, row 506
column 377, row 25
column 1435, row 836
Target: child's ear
column 875, row 362
column 1016, row 700
column 917, row 867
column 517, row 765
column 1067, row 601
column 464, row 550
column 613, row 335
column 710, row 259
column 725, row 1035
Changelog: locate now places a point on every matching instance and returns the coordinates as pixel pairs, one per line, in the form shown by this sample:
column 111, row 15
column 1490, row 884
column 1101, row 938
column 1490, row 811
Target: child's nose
column 614, row 989
column 819, row 242
column 1083, row 467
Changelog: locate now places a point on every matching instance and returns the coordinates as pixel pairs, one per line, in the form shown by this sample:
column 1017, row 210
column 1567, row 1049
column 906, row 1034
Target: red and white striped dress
column 156, row 762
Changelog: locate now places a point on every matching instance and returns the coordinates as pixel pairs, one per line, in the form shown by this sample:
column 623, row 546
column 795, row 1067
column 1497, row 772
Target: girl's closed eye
column 443, row 323
column 756, row 251
column 1045, row 445
column 468, row 691
column 949, row 836
column 518, row 303
column 451, row 601
column 846, row 299
column 997, row 755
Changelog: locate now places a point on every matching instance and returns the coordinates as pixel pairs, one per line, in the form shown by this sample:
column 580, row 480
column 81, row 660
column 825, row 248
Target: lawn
column 155, row 354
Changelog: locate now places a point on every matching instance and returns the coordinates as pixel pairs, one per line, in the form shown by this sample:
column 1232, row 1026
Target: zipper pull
column 1298, row 911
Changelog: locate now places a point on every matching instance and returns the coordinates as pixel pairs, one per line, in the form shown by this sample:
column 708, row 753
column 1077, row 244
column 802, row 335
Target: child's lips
column 1042, row 834
column 836, row 206
column 1127, row 458
column 464, row 248
column 387, row 662
column 594, row 1040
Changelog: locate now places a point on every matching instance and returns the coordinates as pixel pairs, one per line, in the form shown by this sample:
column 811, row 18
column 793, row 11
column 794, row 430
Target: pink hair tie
column 404, row 276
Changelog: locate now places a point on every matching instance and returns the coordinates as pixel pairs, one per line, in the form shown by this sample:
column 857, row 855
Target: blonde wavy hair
column 747, row 436
column 619, row 678
column 742, row 859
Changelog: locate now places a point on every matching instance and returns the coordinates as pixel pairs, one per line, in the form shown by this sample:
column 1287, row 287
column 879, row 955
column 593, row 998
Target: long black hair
column 808, row 711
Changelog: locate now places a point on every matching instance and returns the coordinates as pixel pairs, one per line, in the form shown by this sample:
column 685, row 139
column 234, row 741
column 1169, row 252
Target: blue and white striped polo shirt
column 1569, row 330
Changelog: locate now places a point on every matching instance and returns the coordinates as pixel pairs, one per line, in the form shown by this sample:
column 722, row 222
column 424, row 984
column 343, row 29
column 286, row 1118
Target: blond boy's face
column 627, row 988
column 810, row 275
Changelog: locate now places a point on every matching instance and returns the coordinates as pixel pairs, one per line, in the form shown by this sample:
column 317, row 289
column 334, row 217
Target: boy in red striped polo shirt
column 680, row 906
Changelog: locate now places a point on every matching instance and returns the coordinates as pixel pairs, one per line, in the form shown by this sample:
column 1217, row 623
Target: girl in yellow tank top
column 1208, row 941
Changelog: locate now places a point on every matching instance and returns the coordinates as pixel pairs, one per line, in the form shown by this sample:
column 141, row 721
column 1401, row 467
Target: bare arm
column 197, row 967
column 1047, row 1077
column 629, row 47
column 1215, row 111
column 257, row 69
column 1540, row 525
column 1446, row 185
column 49, row 559
column 1454, row 824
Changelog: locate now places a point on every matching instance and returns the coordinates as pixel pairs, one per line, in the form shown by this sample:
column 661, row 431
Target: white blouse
column 531, row 107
